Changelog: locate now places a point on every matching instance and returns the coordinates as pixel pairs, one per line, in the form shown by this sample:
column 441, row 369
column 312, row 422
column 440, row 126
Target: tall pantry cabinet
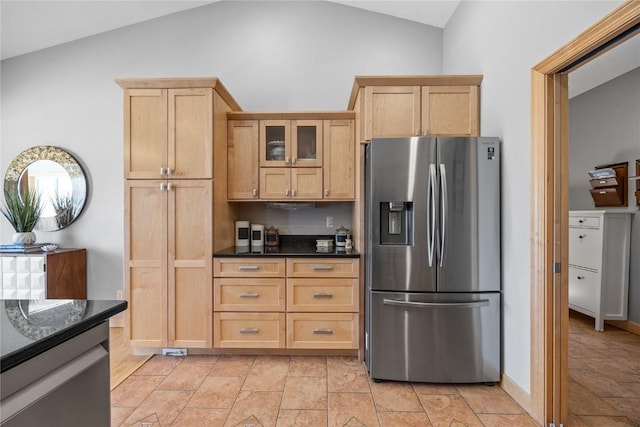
column 175, row 171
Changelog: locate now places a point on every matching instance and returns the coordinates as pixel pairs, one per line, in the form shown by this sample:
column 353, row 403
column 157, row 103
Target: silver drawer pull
column 322, row 267
column 249, row 330
column 249, row 295
column 602, row 182
column 323, row 295
column 602, row 192
column 580, row 277
column 582, row 236
column 248, row 267
column 323, row 331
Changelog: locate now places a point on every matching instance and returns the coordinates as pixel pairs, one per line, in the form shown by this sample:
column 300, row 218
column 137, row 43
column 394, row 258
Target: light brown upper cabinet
column 301, row 156
column 242, row 160
column 402, row 106
column 169, row 126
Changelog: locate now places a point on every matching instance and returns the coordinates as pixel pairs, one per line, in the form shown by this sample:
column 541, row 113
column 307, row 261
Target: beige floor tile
column 346, row 377
column 630, row 407
column 351, row 408
column 232, row 366
column 134, row 390
column 301, row 418
column 635, row 387
column 200, row 358
column 272, row 360
column 429, row 388
column 575, row 421
column 606, row 421
column 164, row 404
column 190, row 417
column 150, row 421
column 583, row 402
column 186, row 377
column 305, row 393
column 266, row 377
column 600, row 385
column 449, row 410
column 119, row 415
column 489, row 399
column 263, row 405
column 342, row 361
column 506, row 420
column 217, row 392
column 404, row 419
column 159, row 365
column 395, row 396
column 308, row 366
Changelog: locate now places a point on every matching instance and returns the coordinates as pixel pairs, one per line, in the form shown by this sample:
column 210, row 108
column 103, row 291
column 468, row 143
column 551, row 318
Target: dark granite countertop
column 30, row 327
column 290, row 246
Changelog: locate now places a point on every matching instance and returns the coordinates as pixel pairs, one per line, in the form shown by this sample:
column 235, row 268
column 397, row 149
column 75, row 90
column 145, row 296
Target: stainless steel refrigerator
column 433, row 282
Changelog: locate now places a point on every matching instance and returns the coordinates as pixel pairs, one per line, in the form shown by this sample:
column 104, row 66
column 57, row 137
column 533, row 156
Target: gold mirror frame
column 63, row 217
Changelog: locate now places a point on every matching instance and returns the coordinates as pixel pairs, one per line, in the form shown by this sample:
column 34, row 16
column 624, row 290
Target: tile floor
column 604, row 375
column 297, row 391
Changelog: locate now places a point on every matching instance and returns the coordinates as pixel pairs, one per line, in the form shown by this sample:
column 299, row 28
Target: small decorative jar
column 341, row 236
column 271, row 236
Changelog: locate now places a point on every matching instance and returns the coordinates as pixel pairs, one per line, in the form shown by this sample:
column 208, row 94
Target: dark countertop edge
column 230, row 253
column 27, row 352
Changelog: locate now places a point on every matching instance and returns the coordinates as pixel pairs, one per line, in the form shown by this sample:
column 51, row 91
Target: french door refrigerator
column 433, row 282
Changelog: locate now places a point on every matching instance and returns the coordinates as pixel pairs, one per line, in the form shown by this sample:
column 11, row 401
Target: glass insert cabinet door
column 290, row 143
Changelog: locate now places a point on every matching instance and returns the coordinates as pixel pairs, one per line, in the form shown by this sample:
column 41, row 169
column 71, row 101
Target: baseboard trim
column 516, row 392
column 626, row 325
column 116, row 321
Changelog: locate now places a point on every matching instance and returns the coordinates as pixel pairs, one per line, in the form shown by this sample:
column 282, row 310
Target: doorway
column 549, row 191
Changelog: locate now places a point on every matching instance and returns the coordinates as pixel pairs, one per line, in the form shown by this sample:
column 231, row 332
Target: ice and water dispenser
column 396, row 223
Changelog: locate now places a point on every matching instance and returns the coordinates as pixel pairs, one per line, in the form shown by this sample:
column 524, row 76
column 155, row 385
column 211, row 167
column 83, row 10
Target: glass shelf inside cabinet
column 275, row 136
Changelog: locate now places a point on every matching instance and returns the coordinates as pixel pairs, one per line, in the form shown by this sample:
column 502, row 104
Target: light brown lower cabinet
column 315, row 300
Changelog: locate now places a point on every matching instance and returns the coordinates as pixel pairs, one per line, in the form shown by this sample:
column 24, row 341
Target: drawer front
column 609, row 196
column 337, row 295
column 322, row 330
column 322, row 267
column 248, row 267
column 584, row 221
column 584, row 290
column 249, row 330
column 585, row 248
column 253, row 294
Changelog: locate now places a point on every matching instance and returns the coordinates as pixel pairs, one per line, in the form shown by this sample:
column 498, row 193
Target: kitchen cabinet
column 599, row 245
column 249, row 303
column 316, row 300
column 168, row 133
column 242, row 154
column 401, row 106
column 302, row 156
column 175, row 149
column 168, row 247
column 61, row 274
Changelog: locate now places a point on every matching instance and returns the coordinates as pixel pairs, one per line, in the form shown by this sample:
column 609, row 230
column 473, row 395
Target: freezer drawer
column 439, row 338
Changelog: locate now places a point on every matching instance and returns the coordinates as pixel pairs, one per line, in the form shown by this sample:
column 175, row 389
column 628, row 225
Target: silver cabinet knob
column 286, row 160
column 162, row 171
column 286, row 192
column 169, row 171
column 293, row 160
column 169, row 187
column 254, row 193
column 326, row 192
column 293, row 193
column 162, row 186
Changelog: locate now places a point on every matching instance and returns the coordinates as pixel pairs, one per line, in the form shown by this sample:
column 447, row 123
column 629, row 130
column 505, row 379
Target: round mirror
column 57, row 177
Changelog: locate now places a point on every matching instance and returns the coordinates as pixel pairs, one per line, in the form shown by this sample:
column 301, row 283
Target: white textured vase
column 26, row 238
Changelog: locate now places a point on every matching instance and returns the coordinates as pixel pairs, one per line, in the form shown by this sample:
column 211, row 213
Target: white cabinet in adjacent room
column 599, row 244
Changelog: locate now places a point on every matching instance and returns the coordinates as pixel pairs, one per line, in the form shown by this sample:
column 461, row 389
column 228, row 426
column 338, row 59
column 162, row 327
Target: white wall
column 503, row 41
column 271, row 56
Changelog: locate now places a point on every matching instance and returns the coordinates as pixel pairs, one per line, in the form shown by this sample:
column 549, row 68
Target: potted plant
column 23, row 213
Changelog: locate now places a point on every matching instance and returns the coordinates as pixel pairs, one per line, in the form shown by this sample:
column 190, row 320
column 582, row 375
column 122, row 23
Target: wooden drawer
column 322, row 267
column 585, row 248
column 322, row 330
column 338, row 295
column 248, row 267
column 609, row 196
column 605, row 182
column 584, row 221
column 248, row 330
column 253, row 294
column 583, row 290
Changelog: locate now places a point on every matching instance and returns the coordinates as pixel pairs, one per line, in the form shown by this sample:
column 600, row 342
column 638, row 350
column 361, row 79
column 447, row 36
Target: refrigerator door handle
column 431, row 212
column 469, row 304
column 443, row 219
